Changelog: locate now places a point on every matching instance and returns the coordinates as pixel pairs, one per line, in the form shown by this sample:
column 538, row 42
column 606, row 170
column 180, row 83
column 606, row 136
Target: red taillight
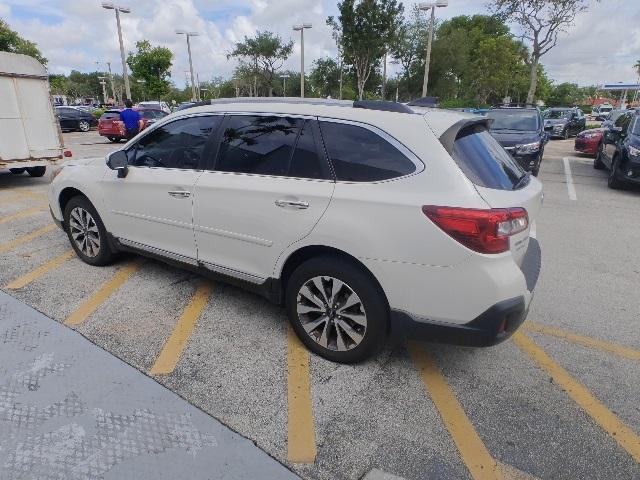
column 485, row 231
column 67, row 153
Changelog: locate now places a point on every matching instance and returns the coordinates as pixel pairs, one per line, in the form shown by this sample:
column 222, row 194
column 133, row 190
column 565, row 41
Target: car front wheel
column 86, row 232
column 565, row 134
column 597, row 161
column 337, row 309
column 614, row 181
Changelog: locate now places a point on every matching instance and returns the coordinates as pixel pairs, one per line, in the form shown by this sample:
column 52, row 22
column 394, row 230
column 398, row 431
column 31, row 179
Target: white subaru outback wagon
column 362, row 218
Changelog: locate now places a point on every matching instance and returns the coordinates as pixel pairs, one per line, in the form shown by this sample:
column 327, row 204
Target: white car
column 164, row 106
column 361, row 221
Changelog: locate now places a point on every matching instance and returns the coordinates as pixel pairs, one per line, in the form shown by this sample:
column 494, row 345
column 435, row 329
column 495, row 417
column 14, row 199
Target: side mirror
column 616, row 129
column 118, row 161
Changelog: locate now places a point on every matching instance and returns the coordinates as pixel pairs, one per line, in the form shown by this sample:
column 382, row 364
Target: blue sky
column 601, row 47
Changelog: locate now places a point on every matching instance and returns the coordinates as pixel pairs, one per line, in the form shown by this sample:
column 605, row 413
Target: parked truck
column 30, row 136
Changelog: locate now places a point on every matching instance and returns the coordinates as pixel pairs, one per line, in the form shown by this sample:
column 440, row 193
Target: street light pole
column 432, row 6
column 301, row 28
column 284, row 84
column 125, row 75
column 194, row 96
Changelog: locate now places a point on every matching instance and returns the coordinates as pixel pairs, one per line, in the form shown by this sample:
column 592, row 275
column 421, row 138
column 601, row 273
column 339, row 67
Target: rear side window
column 483, row 160
column 360, row 155
column 270, row 145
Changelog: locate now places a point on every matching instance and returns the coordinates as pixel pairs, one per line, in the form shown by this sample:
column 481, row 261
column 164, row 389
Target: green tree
column 409, row 43
column 565, row 94
column 365, row 30
column 541, row 22
column 325, row 77
column 10, row 41
column 152, row 64
column 266, row 52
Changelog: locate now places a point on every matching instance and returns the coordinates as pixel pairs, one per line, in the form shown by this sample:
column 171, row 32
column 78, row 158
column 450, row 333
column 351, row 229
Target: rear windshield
column 520, row 120
column 110, row 115
column 484, row 161
column 557, row 113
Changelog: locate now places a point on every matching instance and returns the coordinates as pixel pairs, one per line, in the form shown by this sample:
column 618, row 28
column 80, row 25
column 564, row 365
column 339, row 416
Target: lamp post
column 432, row 6
column 125, row 75
column 284, row 84
column 194, row 95
column 104, row 88
column 301, row 29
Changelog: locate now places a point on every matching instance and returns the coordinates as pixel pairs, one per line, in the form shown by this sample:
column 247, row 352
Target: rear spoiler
column 450, row 134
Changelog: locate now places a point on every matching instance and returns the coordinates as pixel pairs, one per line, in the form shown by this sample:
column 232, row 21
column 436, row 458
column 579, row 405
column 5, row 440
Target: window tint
column 623, row 121
column 484, row 161
column 636, row 126
column 110, row 115
column 360, row 155
column 258, row 144
column 179, row 144
column 305, row 162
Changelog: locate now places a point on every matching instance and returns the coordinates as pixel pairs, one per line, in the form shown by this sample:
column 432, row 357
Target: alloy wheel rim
column 84, row 126
column 331, row 313
column 84, row 232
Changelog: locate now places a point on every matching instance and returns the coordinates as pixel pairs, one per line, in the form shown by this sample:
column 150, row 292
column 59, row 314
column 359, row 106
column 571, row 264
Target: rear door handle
column 179, row 193
column 299, row 204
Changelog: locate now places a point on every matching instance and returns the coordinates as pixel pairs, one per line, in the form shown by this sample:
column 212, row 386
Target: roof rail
column 424, row 102
column 314, row 101
column 515, row 105
column 382, row 105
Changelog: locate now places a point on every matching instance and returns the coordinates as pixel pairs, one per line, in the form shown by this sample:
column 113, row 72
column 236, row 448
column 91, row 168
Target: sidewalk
column 69, row 410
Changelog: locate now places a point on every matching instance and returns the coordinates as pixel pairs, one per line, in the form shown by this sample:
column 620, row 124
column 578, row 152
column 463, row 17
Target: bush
column 98, row 113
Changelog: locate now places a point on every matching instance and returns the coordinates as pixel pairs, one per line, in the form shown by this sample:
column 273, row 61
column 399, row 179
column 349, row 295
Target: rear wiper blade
column 524, row 179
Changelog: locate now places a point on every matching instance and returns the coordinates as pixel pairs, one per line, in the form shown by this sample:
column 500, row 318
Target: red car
column 589, row 141
column 111, row 126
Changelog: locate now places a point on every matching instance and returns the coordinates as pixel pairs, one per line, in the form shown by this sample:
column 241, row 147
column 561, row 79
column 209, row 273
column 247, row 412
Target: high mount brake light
column 484, row 231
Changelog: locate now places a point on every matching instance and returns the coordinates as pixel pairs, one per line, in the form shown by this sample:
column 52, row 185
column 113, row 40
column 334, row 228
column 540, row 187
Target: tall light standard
column 301, row 29
column 104, row 89
column 432, row 6
column 194, row 96
column 142, row 82
column 284, row 84
column 125, row 75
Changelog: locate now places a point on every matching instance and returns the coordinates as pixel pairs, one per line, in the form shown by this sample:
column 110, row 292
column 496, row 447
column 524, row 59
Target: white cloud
column 602, row 46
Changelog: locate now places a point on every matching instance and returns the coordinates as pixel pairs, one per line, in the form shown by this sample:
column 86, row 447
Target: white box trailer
column 30, row 136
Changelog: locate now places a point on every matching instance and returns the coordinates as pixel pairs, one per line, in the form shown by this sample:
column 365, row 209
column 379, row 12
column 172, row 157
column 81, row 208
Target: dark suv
column 520, row 131
column 620, row 152
column 564, row 122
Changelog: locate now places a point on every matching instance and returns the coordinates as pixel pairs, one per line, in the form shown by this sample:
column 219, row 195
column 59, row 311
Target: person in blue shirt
column 131, row 119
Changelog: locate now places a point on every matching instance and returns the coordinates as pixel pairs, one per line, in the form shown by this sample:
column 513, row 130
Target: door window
column 270, row 145
column 360, row 155
column 178, row 144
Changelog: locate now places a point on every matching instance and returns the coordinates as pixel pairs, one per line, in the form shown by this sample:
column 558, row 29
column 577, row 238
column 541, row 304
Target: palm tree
column 637, row 67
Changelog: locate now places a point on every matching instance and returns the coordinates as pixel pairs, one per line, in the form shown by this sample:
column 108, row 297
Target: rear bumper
column 494, row 325
column 588, row 147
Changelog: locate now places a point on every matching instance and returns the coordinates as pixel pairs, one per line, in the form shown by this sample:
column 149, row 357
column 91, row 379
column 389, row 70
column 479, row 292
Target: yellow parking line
column 5, row 247
column 21, row 195
column 474, row 453
column 604, row 417
column 620, row 350
column 24, row 213
column 170, row 354
column 40, row 271
column 98, row 298
column 301, row 434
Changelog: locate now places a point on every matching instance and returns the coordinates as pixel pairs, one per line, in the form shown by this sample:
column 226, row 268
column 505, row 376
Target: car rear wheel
column 337, row 309
column 614, row 181
column 37, row 171
column 84, row 126
column 17, row 171
column 114, row 139
column 597, row 161
column 86, row 232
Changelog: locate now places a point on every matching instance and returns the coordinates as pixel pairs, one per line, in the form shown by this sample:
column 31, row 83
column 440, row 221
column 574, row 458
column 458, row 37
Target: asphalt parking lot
column 559, row 400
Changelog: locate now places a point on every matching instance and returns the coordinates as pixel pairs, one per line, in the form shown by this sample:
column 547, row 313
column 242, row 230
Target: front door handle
column 180, row 194
column 299, row 204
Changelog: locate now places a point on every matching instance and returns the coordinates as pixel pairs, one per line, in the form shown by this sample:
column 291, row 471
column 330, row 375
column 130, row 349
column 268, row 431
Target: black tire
column 114, row 139
column 84, row 125
column 105, row 254
column 372, row 300
column 565, row 134
column 613, row 181
column 17, row 171
column 597, row 161
column 37, row 171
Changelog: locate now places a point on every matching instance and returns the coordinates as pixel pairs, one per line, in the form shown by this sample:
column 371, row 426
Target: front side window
column 635, row 130
column 623, row 121
column 178, row 144
column 360, row 155
column 484, row 161
column 261, row 145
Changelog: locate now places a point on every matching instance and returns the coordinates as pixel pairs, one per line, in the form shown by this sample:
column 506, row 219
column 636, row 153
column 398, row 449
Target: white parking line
column 567, row 174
